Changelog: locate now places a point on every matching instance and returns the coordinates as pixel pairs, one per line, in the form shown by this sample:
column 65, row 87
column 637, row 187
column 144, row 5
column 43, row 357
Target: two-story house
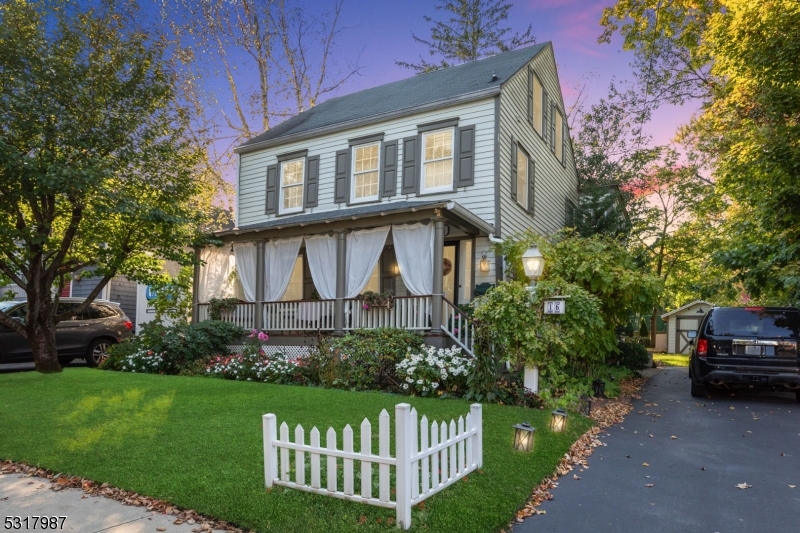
column 401, row 188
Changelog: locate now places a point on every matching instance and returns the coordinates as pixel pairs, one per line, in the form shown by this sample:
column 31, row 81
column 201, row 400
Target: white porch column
column 260, row 282
column 195, row 287
column 341, row 283
column 438, row 278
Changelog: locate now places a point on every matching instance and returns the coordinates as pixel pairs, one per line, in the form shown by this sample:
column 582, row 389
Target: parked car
column 86, row 335
column 746, row 347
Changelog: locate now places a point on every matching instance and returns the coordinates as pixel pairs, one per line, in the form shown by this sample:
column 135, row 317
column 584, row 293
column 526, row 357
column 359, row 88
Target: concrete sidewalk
column 26, row 496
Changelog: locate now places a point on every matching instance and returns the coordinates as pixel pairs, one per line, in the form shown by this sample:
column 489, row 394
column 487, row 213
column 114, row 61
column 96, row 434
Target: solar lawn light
column 558, row 421
column 523, row 437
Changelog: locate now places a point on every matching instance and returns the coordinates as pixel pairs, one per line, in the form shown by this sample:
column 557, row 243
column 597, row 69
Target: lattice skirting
column 291, row 351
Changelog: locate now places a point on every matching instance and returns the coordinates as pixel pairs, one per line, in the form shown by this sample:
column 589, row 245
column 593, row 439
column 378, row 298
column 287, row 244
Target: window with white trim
column 437, row 161
column 522, row 178
column 366, row 162
column 537, row 105
column 292, row 173
column 559, row 136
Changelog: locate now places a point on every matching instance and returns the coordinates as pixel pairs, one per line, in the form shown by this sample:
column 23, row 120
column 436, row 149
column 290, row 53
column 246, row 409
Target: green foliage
column 471, row 31
column 368, row 357
column 174, row 295
column 631, row 355
column 181, row 346
column 218, row 306
column 376, row 299
column 432, row 371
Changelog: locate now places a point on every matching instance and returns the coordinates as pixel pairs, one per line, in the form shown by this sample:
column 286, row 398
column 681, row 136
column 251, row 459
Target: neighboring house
column 681, row 321
column 368, row 191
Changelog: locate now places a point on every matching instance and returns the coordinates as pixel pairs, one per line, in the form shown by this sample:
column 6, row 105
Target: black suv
column 747, row 346
column 87, row 335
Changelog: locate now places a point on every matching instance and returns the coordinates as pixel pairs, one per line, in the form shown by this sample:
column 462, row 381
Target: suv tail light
column 702, row 348
column 128, row 324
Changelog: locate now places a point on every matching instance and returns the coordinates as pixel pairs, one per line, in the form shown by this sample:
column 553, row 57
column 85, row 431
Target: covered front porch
column 310, row 273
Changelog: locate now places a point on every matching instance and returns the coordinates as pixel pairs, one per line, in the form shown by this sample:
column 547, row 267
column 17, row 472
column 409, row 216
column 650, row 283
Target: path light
column 533, row 263
column 523, row 437
column 558, row 421
column 586, row 405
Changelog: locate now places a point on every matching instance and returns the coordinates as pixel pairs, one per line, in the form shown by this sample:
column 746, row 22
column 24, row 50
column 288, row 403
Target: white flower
column 435, row 385
column 419, row 382
column 410, row 380
column 405, row 385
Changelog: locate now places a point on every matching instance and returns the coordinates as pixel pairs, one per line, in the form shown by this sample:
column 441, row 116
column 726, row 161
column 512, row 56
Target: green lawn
column 197, row 443
column 672, row 359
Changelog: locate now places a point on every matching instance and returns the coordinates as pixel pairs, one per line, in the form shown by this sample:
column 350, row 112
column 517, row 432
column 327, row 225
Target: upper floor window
column 437, row 161
column 522, row 178
column 366, row 161
column 559, row 131
column 292, row 172
column 537, row 105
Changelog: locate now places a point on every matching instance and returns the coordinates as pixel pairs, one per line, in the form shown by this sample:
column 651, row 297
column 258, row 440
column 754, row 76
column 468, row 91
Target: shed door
column 685, row 325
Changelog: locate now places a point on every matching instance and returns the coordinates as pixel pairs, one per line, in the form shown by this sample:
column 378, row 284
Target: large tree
column 472, row 30
column 95, row 167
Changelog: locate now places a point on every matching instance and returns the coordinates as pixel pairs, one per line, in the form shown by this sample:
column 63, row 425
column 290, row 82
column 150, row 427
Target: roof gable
column 439, row 86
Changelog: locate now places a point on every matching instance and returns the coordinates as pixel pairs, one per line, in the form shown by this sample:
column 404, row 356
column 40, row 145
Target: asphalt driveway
column 719, row 443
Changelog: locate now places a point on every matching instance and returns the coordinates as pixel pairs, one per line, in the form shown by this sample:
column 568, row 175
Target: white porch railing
column 310, row 315
column 408, row 312
column 243, row 315
column 458, row 326
column 423, row 466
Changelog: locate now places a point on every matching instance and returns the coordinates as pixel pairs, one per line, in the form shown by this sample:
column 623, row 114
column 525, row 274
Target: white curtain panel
column 363, row 251
column 245, row 254
column 215, row 274
column 413, row 246
column 279, row 259
column 321, row 256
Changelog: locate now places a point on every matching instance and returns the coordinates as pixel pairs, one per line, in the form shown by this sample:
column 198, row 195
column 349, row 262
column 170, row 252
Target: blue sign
column 150, row 293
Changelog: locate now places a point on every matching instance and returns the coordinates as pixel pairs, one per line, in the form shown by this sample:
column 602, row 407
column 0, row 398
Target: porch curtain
column 215, row 274
column 279, row 258
column 245, row 255
column 363, row 251
column 413, row 246
column 321, row 256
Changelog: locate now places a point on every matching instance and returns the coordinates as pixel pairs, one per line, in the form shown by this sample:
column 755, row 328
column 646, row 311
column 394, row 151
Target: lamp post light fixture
column 523, row 437
column 533, row 263
column 558, row 420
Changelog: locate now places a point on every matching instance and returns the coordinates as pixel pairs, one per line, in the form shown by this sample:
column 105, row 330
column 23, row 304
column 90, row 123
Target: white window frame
column 282, row 210
column 527, row 157
column 440, row 188
column 353, row 199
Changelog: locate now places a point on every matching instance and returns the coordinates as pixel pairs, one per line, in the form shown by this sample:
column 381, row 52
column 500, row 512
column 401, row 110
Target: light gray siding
column 554, row 182
column 478, row 198
column 123, row 291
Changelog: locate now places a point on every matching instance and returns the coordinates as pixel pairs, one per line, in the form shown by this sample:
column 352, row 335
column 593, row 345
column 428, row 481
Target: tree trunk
column 42, row 337
column 653, row 320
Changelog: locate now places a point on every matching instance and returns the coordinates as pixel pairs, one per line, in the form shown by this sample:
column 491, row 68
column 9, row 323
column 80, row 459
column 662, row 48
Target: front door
column 450, row 272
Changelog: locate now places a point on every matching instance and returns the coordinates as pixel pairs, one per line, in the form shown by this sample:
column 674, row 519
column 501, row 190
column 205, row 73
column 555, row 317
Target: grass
column 672, row 359
column 197, row 443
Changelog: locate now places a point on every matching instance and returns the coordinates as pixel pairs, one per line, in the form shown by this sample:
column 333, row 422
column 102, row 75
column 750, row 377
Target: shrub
column 145, row 361
column 631, row 355
column 434, row 371
column 255, row 365
column 180, row 346
column 368, row 357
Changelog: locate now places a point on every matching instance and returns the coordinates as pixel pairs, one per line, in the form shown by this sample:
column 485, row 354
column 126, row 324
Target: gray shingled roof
column 440, row 85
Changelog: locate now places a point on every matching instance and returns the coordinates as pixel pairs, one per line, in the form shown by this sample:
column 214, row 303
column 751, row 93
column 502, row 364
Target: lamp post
column 533, row 263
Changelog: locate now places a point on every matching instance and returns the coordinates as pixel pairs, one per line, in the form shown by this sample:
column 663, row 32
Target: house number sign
column 554, row 307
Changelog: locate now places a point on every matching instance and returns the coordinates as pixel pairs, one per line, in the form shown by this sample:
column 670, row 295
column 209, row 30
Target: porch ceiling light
column 533, row 263
column 558, row 420
column 523, row 437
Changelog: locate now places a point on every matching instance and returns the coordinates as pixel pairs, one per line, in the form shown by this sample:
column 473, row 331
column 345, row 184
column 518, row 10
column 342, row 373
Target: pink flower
column 263, row 337
column 365, row 306
column 253, row 334
column 455, row 331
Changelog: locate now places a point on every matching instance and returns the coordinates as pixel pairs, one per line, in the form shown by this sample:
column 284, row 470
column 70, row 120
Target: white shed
column 681, row 321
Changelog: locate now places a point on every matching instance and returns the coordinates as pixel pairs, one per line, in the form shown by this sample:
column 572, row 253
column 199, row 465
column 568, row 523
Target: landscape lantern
column 533, row 263
column 523, row 437
column 558, row 421
column 586, row 405
column 599, row 387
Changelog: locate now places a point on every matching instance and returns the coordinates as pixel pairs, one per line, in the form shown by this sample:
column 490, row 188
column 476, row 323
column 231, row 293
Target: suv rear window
column 754, row 322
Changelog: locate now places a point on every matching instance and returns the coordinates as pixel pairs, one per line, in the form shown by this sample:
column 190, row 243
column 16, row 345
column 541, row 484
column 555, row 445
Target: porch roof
column 454, row 211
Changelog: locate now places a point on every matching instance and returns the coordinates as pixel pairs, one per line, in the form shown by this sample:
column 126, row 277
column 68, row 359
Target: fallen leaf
column 645, row 464
column 362, row 520
column 702, row 468
column 648, row 485
column 749, row 431
column 161, row 529
column 743, row 486
column 792, row 486
column 628, row 456
column 732, row 408
column 673, row 437
column 575, row 476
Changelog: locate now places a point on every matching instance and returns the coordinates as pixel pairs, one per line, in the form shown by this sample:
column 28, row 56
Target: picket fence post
column 476, row 421
column 402, row 419
column 270, row 450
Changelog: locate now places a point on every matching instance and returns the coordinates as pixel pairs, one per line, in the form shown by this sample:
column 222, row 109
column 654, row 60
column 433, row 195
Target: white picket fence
column 428, row 458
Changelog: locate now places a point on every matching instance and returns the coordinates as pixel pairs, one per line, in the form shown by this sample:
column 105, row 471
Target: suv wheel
column 97, row 352
column 699, row 391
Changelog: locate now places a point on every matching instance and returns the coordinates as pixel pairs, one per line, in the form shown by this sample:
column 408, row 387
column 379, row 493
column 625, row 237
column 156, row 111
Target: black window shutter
column 513, row 169
column 410, row 165
column 388, row 179
column 531, row 179
column 342, row 177
column 465, row 162
column 272, row 190
column 530, row 96
column 545, row 117
column 312, row 182
column 553, row 127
